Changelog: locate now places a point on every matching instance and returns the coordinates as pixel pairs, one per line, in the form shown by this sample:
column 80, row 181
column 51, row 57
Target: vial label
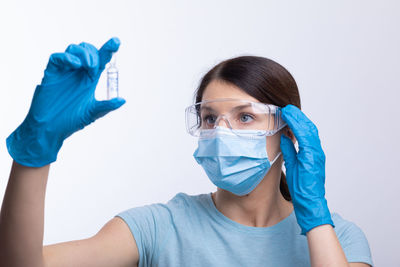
column 112, row 85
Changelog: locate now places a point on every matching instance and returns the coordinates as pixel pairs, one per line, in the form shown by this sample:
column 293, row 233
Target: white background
column 344, row 56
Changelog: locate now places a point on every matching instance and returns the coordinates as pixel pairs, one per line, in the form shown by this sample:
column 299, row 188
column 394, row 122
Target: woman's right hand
column 63, row 103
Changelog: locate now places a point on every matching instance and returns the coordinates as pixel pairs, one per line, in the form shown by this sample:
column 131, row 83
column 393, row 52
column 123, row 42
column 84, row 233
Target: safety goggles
column 236, row 114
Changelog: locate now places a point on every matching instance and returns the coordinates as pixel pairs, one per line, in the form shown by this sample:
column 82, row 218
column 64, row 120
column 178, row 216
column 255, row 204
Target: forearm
column 22, row 217
column 324, row 247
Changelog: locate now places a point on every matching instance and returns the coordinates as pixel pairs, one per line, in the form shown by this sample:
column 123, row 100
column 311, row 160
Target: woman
column 247, row 115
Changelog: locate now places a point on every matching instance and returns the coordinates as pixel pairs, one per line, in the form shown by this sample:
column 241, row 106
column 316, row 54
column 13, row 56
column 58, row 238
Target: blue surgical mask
column 236, row 162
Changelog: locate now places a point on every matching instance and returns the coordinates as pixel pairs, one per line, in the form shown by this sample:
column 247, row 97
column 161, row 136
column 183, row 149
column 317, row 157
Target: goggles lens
column 236, row 115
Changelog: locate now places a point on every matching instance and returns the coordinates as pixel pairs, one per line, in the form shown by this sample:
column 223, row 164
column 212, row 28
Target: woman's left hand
column 305, row 170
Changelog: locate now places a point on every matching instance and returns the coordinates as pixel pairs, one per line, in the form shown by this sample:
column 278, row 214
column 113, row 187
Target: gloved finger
column 87, row 55
column 103, row 107
column 94, row 55
column 63, row 61
column 288, row 151
column 302, row 127
column 106, row 51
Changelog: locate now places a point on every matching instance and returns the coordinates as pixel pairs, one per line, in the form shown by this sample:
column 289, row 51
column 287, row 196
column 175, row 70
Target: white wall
column 344, row 55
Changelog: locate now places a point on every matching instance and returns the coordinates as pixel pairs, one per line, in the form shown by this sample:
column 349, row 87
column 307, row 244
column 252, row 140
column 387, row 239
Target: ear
column 288, row 132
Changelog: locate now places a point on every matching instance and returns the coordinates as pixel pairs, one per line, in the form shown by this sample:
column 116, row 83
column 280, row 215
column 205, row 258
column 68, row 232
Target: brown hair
column 261, row 78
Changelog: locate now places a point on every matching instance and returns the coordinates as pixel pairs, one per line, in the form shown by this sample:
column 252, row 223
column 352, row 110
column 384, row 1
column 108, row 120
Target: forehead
column 217, row 89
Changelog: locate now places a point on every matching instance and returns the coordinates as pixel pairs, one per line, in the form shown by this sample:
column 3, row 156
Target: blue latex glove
column 63, row 103
column 305, row 170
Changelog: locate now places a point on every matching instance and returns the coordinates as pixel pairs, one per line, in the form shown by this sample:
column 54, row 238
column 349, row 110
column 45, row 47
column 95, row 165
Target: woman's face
column 218, row 89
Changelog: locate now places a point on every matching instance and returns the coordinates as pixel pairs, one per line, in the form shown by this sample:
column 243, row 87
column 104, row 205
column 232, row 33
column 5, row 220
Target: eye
column 246, row 118
column 210, row 119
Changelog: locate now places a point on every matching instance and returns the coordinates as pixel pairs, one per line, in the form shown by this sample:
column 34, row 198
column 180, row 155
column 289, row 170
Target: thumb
column 101, row 108
column 288, row 151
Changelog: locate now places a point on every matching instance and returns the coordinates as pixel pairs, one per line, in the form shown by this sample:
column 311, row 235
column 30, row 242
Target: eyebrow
column 235, row 108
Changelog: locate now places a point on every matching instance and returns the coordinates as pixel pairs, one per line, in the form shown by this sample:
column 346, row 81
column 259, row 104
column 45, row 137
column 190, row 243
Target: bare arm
column 112, row 246
column 22, row 216
column 325, row 249
column 22, row 225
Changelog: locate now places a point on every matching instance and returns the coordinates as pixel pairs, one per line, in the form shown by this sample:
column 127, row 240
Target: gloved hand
column 305, row 170
column 63, row 103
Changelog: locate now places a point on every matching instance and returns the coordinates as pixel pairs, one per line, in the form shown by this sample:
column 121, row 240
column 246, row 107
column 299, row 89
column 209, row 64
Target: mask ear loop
column 276, row 157
column 273, row 161
column 280, row 152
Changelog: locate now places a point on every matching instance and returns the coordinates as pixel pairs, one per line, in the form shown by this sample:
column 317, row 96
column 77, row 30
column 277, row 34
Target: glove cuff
column 317, row 215
column 29, row 146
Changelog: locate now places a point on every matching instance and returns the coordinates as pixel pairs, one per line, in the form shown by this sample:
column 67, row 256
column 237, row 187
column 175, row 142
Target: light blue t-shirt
column 190, row 231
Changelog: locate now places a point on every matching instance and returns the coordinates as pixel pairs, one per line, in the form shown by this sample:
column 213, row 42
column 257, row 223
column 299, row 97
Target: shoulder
column 152, row 224
column 352, row 239
column 346, row 229
column 181, row 203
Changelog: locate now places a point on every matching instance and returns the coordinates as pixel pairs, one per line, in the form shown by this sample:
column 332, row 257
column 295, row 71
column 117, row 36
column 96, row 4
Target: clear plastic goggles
column 235, row 114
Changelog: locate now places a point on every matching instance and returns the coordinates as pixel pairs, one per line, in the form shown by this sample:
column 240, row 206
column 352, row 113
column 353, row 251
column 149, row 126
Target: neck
column 263, row 207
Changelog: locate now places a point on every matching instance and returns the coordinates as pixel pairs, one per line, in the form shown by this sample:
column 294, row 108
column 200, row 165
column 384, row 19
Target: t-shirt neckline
column 227, row 222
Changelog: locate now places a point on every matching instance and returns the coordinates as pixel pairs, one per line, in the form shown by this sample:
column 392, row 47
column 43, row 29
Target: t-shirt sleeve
column 353, row 240
column 150, row 226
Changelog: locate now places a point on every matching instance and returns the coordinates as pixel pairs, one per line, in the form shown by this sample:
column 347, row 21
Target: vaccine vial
column 112, row 79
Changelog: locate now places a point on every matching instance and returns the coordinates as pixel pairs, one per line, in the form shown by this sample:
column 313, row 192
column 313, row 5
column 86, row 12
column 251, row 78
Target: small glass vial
column 112, row 79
